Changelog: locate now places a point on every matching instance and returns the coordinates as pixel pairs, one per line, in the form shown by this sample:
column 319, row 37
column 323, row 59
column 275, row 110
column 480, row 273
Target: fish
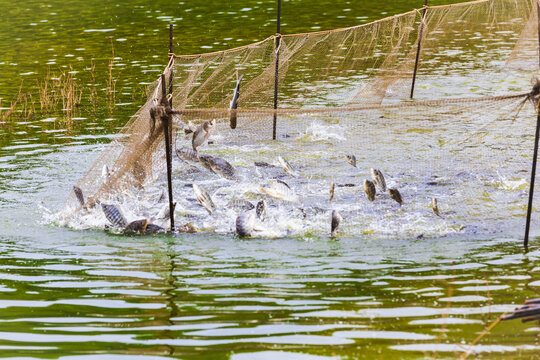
column 201, row 134
column 396, row 195
column 369, row 188
column 245, row 224
column 263, row 164
column 137, row 226
column 279, row 190
column 261, row 210
column 79, row 194
column 114, row 215
column 351, row 159
column 234, row 102
column 240, row 204
column 218, row 166
column 332, row 188
column 336, row 219
column 286, row 166
column 204, row 198
column 435, row 207
column 187, row 154
column 187, row 228
column 378, row 180
column 164, row 213
column 105, row 173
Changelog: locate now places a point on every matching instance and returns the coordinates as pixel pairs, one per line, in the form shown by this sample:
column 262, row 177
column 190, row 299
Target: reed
column 111, row 81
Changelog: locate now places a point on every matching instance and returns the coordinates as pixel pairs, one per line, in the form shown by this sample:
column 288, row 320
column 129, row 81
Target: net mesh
column 347, row 91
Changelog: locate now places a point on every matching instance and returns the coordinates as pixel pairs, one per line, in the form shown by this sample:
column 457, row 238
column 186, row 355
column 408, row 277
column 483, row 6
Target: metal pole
column 535, row 155
column 419, row 47
column 166, row 132
column 276, row 75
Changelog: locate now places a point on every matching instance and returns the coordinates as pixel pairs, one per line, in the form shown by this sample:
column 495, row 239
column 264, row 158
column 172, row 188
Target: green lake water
column 88, row 294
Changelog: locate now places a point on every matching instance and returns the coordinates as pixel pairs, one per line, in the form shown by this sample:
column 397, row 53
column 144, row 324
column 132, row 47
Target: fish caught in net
column 344, row 95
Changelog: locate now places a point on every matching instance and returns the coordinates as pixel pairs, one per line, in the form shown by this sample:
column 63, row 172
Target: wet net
column 464, row 138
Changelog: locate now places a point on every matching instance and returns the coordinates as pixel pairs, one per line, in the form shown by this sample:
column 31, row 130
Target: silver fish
column 79, row 194
column 396, row 195
column 164, row 213
column 378, row 180
column 336, row 219
column 218, row 166
column 240, row 204
column 332, row 189
column 204, row 198
column 201, row 134
column 351, row 159
column 261, row 210
column 234, row 102
column 114, row 215
column 187, row 154
column 286, row 166
column 105, row 173
column 279, row 190
column 245, row 224
column 369, row 188
column 435, row 207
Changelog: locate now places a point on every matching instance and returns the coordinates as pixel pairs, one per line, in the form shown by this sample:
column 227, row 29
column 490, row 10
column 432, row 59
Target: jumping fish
column 435, row 207
column 245, row 224
column 351, row 159
column 336, row 219
column 332, row 189
column 114, row 216
column 261, row 210
column 204, row 198
column 396, row 195
column 201, row 134
column 164, row 213
column 378, row 180
column 105, row 173
column 218, row 166
column 240, row 204
column 234, row 101
column 187, row 154
column 79, row 194
column 369, row 188
column 286, row 166
column 279, row 190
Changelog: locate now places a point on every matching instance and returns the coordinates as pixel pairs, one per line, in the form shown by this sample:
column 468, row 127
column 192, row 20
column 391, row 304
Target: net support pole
column 535, row 154
column 276, row 74
column 531, row 187
column 170, row 39
column 166, row 132
column 418, row 48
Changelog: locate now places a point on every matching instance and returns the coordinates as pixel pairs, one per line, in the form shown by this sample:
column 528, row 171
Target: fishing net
column 347, row 91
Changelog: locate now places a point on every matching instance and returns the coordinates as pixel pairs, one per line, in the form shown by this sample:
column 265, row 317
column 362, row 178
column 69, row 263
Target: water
column 87, row 294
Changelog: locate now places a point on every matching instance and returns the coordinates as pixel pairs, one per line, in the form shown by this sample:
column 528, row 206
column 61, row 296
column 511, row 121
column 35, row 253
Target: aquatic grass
column 111, row 82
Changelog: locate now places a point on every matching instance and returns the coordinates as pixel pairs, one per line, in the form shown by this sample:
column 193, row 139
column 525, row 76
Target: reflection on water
column 211, row 298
